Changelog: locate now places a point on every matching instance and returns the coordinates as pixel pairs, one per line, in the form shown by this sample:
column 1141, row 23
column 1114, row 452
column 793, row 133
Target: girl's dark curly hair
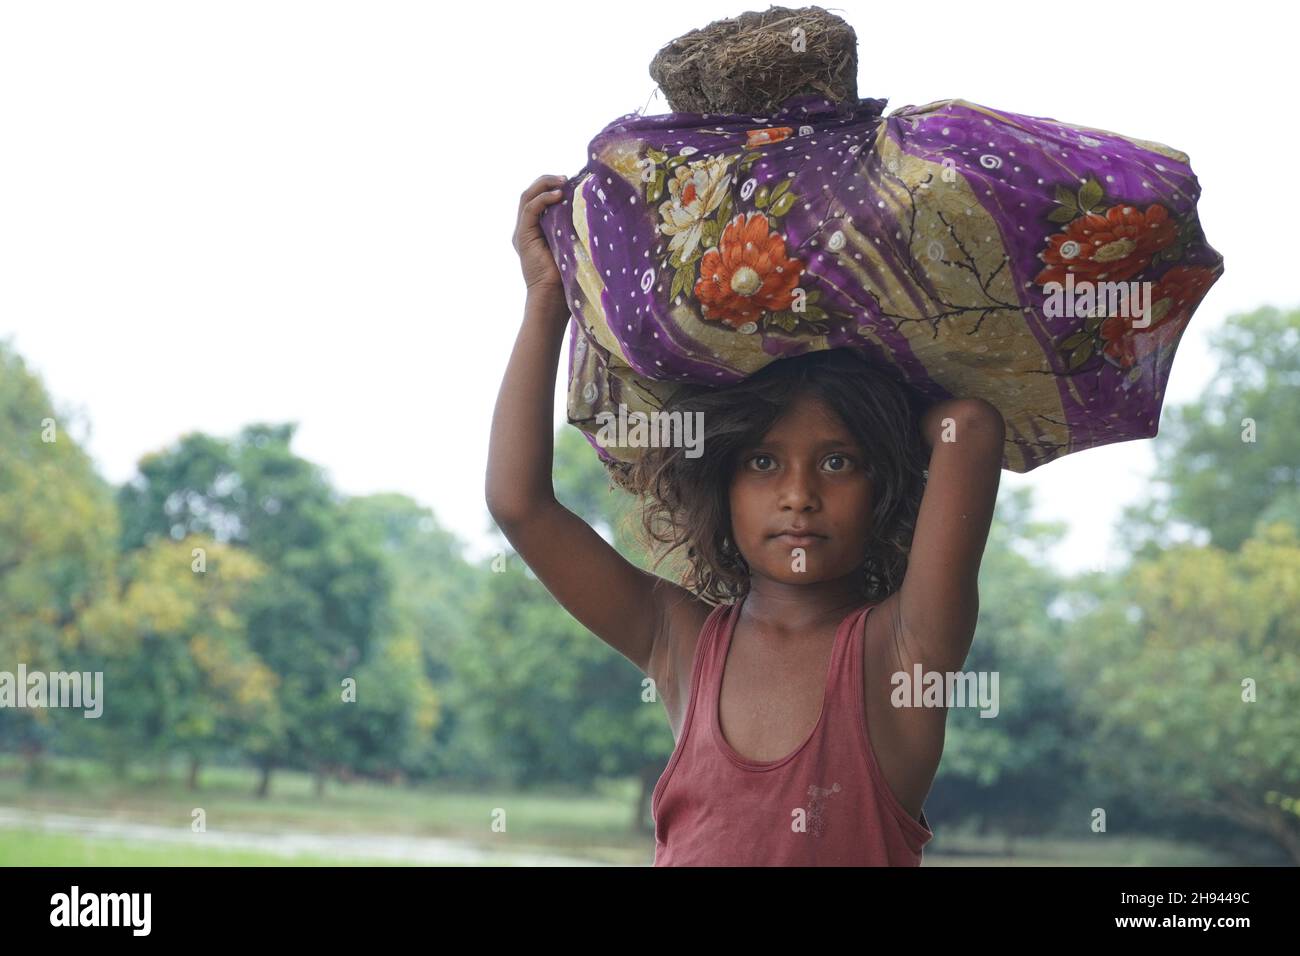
column 685, row 502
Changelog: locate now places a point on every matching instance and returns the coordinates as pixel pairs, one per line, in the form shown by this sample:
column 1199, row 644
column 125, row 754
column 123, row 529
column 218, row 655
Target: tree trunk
column 1235, row 803
column 1271, row 820
column 36, row 768
column 119, row 763
column 194, row 772
column 264, row 781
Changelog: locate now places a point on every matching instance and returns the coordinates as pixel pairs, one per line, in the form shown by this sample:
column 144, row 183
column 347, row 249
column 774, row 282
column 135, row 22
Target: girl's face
column 807, row 473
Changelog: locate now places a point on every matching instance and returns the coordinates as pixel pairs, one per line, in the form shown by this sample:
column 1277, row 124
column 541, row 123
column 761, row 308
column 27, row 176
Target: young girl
column 809, row 509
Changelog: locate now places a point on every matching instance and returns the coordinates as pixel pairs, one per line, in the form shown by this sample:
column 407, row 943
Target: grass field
column 591, row 826
column 79, row 815
column 32, row 848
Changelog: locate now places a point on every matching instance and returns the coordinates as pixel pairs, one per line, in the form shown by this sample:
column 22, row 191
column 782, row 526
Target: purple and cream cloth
column 1045, row 267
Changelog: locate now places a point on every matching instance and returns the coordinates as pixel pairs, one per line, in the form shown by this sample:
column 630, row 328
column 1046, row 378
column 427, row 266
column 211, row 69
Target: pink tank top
column 824, row 804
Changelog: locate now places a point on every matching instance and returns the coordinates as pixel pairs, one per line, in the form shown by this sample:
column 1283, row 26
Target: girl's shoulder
column 684, row 615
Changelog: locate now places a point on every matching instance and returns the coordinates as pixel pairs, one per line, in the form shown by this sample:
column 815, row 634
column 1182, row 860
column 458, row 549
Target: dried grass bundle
column 755, row 62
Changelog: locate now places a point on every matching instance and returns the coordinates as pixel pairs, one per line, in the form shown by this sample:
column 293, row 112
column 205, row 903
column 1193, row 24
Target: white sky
column 219, row 213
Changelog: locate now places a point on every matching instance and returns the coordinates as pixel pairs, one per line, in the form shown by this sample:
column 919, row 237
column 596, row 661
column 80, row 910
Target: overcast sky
column 219, row 213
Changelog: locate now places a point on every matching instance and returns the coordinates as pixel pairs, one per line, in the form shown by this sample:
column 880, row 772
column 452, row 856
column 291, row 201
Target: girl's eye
column 843, row 458
column 760, row 458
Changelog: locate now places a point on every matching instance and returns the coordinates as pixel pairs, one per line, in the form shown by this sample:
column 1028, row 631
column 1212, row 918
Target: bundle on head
column 755, row 62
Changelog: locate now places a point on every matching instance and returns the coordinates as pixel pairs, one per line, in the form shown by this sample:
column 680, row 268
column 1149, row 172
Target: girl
column 810, row 508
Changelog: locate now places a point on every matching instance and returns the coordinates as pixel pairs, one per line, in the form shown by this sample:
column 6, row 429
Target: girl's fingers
column 541, row 182
column 531, row 211
column 540, row 185
column 538, row 203
column 543, row 191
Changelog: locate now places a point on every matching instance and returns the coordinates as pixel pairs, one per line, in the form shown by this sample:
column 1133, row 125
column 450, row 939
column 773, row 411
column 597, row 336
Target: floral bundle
column 1046, row 267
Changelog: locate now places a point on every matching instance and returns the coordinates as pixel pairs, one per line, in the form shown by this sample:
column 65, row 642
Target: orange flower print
column 747, row 274
column 1174, row 296
column 1113, row 247
column 763, row 137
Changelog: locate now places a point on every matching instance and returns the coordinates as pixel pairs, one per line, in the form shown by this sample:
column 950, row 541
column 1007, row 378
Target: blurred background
column 257, row 297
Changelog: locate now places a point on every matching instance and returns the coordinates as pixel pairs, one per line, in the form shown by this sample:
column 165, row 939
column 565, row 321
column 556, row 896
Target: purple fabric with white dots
column 967, row 251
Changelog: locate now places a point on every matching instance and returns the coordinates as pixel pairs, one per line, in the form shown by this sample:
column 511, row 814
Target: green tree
column 57, row 532
column 1189, row 676
column 314, row 616
column 179, row 674
column 1224, row 459
column 400, row 691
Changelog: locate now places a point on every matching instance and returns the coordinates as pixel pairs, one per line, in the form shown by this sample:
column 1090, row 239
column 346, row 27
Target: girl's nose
column 798, row 490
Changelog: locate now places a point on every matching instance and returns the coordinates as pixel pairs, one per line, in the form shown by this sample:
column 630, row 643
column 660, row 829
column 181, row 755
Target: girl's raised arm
column 938, row 601
column 613, row 598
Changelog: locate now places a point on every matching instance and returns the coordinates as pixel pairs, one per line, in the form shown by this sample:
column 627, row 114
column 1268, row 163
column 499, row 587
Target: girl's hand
column 540, row 271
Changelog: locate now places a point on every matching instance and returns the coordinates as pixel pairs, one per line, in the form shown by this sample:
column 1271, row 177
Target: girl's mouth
column 799, row 540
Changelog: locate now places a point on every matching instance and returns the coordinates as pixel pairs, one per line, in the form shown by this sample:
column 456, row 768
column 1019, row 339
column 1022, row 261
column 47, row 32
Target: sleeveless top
column 824, row 804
